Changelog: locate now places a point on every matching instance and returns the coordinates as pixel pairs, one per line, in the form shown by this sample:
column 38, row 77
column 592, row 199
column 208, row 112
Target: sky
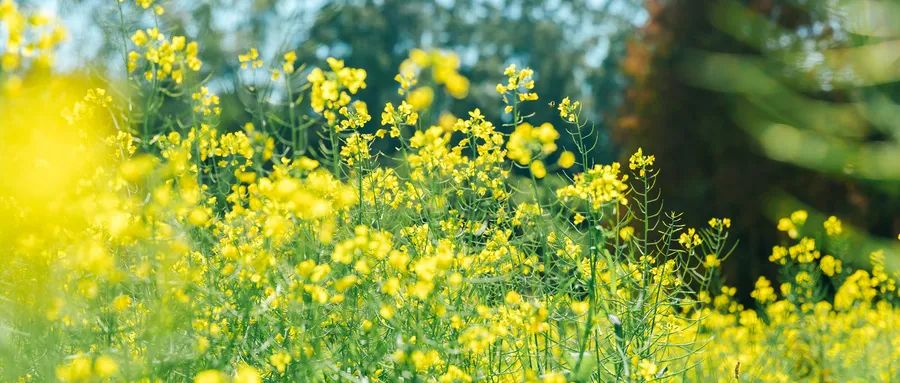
column 85, row 21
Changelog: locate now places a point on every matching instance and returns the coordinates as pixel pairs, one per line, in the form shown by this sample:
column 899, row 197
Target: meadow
column 327, row 240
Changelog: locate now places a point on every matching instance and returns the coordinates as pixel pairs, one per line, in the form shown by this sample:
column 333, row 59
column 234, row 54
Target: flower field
column 327, row 240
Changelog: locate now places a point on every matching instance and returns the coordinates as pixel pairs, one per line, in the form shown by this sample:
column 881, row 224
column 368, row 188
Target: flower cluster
column 640, row 163
column 210, row 253
column 599, row 186
column 163, row 58
column 250, row 59
column 28, row 37
column 287, row 65
column 439, row 67
column 253, row 263
column 519, row 87
column 797, row 333
column 528, row 142
column 689, row 239
column 402, row 115
column 205, row 102
column 790, row 225
column 331, row 92
column 569, row 110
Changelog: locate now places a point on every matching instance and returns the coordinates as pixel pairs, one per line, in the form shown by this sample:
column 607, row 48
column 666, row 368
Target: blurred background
column 753, row 108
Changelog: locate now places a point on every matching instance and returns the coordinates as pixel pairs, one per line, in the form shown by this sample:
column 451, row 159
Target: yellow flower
column 569, row 110
column 77, row 369
column 280, row 361
column 105, row 366
column 763, row 292
column 444, row 67
column 647, row 369
column 330, row 93
column 168, row 58
column 829, row 265
column 356, row 115
column 421, row 98
column 833, row 226
column 689, row 239
column 455, row 375
column 518, row 87
column 720, row 223
column 139, row 38
column 711, row 261
column 356, row 148
column 210, row 376
column 779, row 255
column 289, row 59
column 528, row 142
column 457, row 86
column 247, row 374
column 553, row 377
column 599, row 186
column 799, row 217
column 640, row 163
column 250, row 59
column 566, row 159
column 578, row 219
column 424, row 360
column 580, row 307
column 206, row 103
column 626, row 233
column 538, row 169
column 121, row 302
column 788, row 226
column 513, row 298
column 386, row 311
column 402, row 115
column 199, row 216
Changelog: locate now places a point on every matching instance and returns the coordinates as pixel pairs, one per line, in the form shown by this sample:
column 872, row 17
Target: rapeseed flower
column 222, row 254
